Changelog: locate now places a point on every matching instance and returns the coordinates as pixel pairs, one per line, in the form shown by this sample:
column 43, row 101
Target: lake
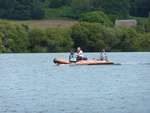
column 31, row 83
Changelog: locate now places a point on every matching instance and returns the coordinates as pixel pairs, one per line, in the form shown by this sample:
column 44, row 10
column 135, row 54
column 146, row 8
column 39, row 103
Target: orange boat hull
column 83, row 62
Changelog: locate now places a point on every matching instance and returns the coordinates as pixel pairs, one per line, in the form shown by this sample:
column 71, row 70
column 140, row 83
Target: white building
column 126, row 23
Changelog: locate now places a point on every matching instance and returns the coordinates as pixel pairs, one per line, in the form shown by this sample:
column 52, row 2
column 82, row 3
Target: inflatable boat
column 84, row 62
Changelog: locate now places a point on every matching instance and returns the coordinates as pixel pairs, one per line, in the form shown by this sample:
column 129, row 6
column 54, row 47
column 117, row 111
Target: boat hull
column 83, row 62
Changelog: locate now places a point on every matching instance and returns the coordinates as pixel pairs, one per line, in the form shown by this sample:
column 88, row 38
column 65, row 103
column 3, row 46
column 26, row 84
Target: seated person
column 72, row 57
column 80, row 54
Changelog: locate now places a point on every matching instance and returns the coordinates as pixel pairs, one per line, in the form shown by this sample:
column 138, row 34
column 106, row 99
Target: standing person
column 103, row 55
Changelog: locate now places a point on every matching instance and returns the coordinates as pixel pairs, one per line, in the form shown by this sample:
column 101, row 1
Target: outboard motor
column 55, row 61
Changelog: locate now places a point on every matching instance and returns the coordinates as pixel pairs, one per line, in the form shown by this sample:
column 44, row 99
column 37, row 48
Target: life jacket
column 72, row 58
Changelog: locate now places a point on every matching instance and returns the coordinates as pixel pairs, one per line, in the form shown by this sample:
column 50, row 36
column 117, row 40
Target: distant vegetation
column 41, row 9
column 86, row 23
column 21, row 38
column 90, row 36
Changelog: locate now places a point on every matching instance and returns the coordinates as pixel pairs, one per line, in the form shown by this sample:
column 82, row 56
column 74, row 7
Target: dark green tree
column 120, row 8
column 21, row 9
column 58, row 3
column 140, row 7
column 80, row 6
column 37, row 9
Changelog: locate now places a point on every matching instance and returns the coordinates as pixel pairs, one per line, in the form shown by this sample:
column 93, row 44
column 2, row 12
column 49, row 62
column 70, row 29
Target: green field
column 48, row 23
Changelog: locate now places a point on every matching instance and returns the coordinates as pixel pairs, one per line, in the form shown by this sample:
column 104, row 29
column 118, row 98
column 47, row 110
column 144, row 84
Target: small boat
column 84, row 62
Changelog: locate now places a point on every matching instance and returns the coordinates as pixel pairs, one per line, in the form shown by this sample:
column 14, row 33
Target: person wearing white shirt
column 80, row 55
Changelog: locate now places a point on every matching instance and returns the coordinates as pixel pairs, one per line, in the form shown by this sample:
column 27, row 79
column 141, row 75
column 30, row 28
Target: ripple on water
column 29, row 83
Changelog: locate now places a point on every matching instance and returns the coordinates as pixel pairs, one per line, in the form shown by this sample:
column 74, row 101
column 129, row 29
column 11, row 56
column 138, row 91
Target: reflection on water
column 31, row 83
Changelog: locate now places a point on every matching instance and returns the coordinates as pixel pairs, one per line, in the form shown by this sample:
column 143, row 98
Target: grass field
column 48, row 23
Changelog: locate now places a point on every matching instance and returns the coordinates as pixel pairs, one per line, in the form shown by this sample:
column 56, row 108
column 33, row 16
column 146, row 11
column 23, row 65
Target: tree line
column 21, row 9
column 36, row 9
column 91, row 37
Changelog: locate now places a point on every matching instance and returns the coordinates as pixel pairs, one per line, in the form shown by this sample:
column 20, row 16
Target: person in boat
column 103, row 55
column 80, row 55
column 72, row 57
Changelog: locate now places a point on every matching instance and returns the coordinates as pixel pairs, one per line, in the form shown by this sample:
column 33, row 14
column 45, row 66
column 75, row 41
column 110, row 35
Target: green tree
column 96, row 17
column 80, row 6
column 147, row 25
column 140, row 8
column 144, row 42
column 58, row 3
column 88, row 36
column 128, row 39
column 37, row 9
column 14, row 37
column 50, row 40
column 110, row 38
column 38, row 41
column 6, row 8
column 58, row 40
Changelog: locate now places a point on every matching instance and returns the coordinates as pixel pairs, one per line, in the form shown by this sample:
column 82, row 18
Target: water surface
column 31, row 83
